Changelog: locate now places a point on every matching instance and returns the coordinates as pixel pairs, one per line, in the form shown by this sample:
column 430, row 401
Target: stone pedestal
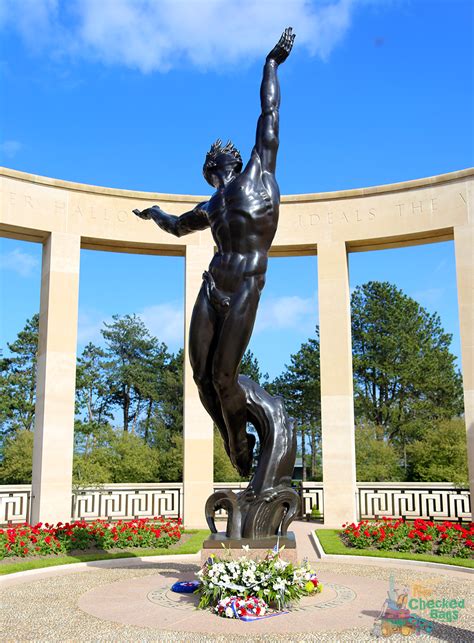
column 222, row 546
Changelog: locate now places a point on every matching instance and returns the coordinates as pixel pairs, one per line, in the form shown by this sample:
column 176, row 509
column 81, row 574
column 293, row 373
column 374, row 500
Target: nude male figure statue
column 243, row 216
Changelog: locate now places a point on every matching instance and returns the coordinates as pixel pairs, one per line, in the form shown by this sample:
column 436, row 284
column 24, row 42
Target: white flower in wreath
column 281, row 564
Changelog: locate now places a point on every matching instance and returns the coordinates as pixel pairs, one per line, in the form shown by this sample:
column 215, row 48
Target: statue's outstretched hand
column 282, row 49
column 146, row 214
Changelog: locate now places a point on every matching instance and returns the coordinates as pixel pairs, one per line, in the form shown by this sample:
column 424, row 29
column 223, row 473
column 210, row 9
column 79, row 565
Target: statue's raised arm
column 267, row 141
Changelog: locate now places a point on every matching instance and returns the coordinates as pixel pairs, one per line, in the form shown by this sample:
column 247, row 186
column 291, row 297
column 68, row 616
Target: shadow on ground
column 165, row 568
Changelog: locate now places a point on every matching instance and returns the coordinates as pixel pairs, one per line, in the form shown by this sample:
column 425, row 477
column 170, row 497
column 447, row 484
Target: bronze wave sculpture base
column 269, row 503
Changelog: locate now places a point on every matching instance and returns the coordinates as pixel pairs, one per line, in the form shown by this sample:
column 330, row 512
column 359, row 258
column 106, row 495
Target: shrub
column 421, row 536
column 39, row 540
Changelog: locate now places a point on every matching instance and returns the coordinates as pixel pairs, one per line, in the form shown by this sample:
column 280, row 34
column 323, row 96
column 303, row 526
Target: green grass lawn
column 332, row 544
column 191, row 546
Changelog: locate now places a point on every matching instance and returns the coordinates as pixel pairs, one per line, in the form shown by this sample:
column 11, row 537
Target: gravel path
column 46, row 609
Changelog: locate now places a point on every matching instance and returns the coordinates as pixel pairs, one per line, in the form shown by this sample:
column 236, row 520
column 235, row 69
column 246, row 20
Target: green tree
column 164, row 417
column 404, row 371
column 171, row 460
column 250, row 367
column 93, row 453
column 440, row 454
column 300, row 387
column 134, row 362
column 116, row 457
column 18, row 380
column 93, row 468
column 93, row 398
column 17, row 458
column 377, row 459
column 163, row 426
column 133, row 460
column 92, row 388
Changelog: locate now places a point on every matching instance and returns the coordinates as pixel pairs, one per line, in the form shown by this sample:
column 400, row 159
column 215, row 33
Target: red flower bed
column 39, row 540
column 421, row 536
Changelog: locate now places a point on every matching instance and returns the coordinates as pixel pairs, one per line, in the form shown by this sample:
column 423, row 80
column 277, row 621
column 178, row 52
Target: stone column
column 56, row 374
column 337, row 404
column 198, row 474
column 464, row 248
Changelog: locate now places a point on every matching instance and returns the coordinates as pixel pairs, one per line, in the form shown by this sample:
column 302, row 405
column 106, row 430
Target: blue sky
column 131, row 94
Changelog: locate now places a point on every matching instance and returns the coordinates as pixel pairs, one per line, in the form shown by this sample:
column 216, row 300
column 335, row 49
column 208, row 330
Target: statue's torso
column 243, row 218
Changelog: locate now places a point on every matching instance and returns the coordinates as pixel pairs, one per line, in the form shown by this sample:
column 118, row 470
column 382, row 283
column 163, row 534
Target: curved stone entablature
column 66, row 216
column 419, row 211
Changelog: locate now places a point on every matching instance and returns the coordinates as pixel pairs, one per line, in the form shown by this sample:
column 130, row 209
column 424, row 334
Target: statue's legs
column 233, row 339
column 202, row 340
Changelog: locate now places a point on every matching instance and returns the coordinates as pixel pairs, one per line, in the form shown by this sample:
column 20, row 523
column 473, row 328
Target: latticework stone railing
column 434, row 500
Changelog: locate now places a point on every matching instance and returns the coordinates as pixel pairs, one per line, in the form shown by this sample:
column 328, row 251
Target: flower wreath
column 243, row 608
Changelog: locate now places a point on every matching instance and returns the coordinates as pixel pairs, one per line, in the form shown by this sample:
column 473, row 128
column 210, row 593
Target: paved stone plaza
column 131, row 601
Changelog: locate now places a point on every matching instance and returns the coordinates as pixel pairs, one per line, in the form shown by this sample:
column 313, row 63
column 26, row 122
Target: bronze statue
column 243, row 216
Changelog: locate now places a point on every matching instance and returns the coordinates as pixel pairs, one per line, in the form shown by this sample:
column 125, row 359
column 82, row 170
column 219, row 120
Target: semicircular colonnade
column 66, row 217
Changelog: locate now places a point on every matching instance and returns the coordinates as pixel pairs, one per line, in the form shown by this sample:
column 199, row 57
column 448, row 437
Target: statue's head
column 221, row 158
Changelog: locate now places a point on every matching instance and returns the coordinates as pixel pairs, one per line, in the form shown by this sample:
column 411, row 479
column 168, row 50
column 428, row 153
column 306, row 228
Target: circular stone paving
column 135, row 603
column 150, row 602
column 333, row 596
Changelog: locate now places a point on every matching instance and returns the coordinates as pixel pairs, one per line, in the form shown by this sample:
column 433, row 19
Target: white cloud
column 166, row 322
column 156, row 35
column 10, row 148
column 429, row 297
column 88, row 326
column 23, row 263
column 37, row 21
column 287, row 312
column 442, row 265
